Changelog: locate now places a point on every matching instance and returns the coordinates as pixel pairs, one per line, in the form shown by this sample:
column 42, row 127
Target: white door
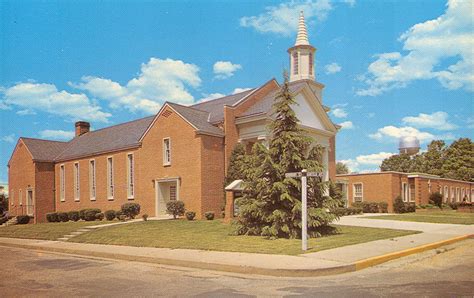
column 165, row 191
column 29, row 202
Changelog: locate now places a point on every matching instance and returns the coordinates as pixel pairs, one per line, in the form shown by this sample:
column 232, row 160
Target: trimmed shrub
column 109, row 214
column 99, row 216
column 90, row 215
column 145, row 217
column 52, row 217
column 367, row 207
column 175, row 208
column 398, row 205
column 130, row 209
column 383, row 207
column 22, row 219
column 209, row 215
column 436, row 199
column 190, row 215
column 410, row 207
column 342, row 211
column 82, row 213
column 453, row 205
column 122, row 217
column 62, row 216
column 118, row 213
column 73, row 215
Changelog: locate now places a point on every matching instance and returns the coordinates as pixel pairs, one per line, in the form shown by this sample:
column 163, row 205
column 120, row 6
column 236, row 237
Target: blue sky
column 391, row 68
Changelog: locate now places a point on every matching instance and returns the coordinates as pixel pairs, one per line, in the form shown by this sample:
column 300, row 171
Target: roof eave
column 81, row 156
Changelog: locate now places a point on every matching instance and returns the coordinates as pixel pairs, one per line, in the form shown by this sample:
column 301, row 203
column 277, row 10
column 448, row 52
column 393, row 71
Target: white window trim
column 453, row 193
column 130, row 178
column 458, row 194
column 446, row 193
column 354, row 191
column 110, row 186
column 406, row 195
column 28, row 206
column 62, row 183
column 166, row 162
column 463, row 193
column 92, row 180
column 77, row 183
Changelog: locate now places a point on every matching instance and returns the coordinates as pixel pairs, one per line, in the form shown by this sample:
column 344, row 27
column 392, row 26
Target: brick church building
column 181, row 153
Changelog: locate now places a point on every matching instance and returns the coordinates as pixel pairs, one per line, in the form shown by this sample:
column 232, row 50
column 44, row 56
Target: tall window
column 457, row 194
column 446, row 193
column 62, row 183
column 110, row 178
column 453, row 195
column 295, row 63
column 463, row 194
column 130, row 176
column 77, row 190
column 358, row 192
column 166, row 151
column 310, row 63
column 405, row 192
column 92, row 185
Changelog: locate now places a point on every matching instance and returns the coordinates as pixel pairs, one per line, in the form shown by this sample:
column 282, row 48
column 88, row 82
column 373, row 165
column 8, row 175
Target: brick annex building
column 181, row 153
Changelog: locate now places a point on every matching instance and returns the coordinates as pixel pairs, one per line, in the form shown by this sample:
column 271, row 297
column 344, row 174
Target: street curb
column 280, row 272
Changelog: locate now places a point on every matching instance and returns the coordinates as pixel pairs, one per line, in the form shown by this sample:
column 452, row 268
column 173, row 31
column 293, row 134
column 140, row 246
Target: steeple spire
column 302, row 37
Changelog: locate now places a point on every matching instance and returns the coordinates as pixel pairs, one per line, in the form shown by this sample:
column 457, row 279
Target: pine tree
column 237, row 164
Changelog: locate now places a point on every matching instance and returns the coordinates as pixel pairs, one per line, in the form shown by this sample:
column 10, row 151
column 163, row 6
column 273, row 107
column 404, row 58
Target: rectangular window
column 457, row 194
column 463, row 194
column 446, row 193
column 295, row 63
column 173, row 193
column 405, row 192
column 12, row 197
column 110, row 178
column 130, row 176
column 62, row 183
column 166, row 151
column 29, row 202
column 77, row 191
column 358, row 192
column 453, row 195
column 92, row 184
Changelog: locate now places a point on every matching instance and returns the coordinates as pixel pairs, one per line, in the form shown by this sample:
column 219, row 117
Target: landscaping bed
column 45, row 231
column 215, row 235
column 445, row 216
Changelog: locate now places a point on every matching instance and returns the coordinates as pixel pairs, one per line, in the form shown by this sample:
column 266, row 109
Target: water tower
column 409, row 145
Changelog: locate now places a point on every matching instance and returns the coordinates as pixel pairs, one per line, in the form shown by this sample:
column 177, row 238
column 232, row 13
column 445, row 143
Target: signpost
column 304, row 202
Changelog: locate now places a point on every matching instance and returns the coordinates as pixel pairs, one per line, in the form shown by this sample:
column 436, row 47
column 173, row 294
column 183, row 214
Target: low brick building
column 181, row 153
column 411, row 187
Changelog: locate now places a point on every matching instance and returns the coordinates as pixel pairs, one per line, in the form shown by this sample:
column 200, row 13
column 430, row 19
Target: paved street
column 445, row 272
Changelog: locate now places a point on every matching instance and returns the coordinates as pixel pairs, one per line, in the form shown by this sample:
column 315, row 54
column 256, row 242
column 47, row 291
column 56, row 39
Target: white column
column 326, row 168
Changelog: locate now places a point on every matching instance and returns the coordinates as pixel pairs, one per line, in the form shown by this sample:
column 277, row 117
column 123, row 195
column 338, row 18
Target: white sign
column 304, row 202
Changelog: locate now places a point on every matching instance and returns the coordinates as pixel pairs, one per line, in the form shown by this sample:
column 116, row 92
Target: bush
column 453, row 205
column 62, row 216
column 52, row 217
column 209, row 215
column 90, row 214
column 22, row 219
column 122, row 217
column 82, row 213
column 130, row 209
column 190, row 215
column 342, row 211
column 109, row 214
column 118, row 214
column 383, row 207
column 99, row 216
column 145, row 217
column 368, row 207
column 73, row 215
column 436, row 199
column 399, row 205
column 175, row 208
column 410, row 207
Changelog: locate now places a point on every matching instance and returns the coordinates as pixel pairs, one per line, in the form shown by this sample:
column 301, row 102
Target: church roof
column 43, row 150
column 215, row 107
column 197, row 118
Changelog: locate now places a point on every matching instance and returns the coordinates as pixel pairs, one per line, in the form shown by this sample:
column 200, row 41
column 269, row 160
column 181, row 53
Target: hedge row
column 342, row 211
column 372, row 207
column 128, row 210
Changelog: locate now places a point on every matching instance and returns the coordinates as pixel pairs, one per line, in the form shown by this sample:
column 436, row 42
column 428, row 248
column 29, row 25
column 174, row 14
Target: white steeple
column 302, row 55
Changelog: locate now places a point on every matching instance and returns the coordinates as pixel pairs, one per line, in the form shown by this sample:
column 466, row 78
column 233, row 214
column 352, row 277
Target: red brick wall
column 212, row 173
column 44, row 190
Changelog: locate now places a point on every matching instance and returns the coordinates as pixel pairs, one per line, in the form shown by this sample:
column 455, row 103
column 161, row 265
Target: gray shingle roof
column 197, row 118
column 266, row 103
column 44, row 150
column 121, row 136
column 215, row 107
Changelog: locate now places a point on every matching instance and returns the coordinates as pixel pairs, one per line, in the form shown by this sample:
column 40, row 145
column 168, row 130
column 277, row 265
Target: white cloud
column 393, row 134
column 429, row 45
column 339, row 113
column 437, row 120
column 47, row 98
column 239, row 90
column 366, row 163
column 56, row 134
column 283, row 18
column 8, row 139
column 211, row 96
column 225, row 69
column 26, row 112
column 332, row 68
column 160, row 80
column 347, row 125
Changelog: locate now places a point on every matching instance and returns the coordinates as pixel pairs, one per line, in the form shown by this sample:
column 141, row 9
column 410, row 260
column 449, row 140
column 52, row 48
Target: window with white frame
column 463, row 193
column 20, row 197
column 405, row 192
column 358, row 192
column 446, row 193
column 77, row 190
column 458, row 194
column 62, row 183
column 453, row 195
column 110, row 178
column 130, row 176
column 166, row 151
column 92, row 182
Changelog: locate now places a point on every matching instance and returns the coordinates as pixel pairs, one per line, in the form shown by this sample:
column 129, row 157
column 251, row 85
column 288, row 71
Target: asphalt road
column 446, row 272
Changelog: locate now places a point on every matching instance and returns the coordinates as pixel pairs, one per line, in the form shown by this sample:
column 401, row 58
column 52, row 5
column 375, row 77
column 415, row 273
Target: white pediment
column 306, row 112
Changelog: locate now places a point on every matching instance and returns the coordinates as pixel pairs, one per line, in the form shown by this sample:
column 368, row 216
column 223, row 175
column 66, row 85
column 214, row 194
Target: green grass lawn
column 45, row 231
column 451, row 216
column 214, row 235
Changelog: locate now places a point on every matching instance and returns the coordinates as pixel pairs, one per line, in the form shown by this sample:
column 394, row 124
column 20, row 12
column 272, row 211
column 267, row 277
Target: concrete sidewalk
column 327, row 262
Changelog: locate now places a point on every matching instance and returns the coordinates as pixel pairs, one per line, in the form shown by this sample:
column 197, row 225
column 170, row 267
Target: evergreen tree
column 397, row 163
column 271, row 204
column 237, row 164
column 341, row 168
column 459, row 162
